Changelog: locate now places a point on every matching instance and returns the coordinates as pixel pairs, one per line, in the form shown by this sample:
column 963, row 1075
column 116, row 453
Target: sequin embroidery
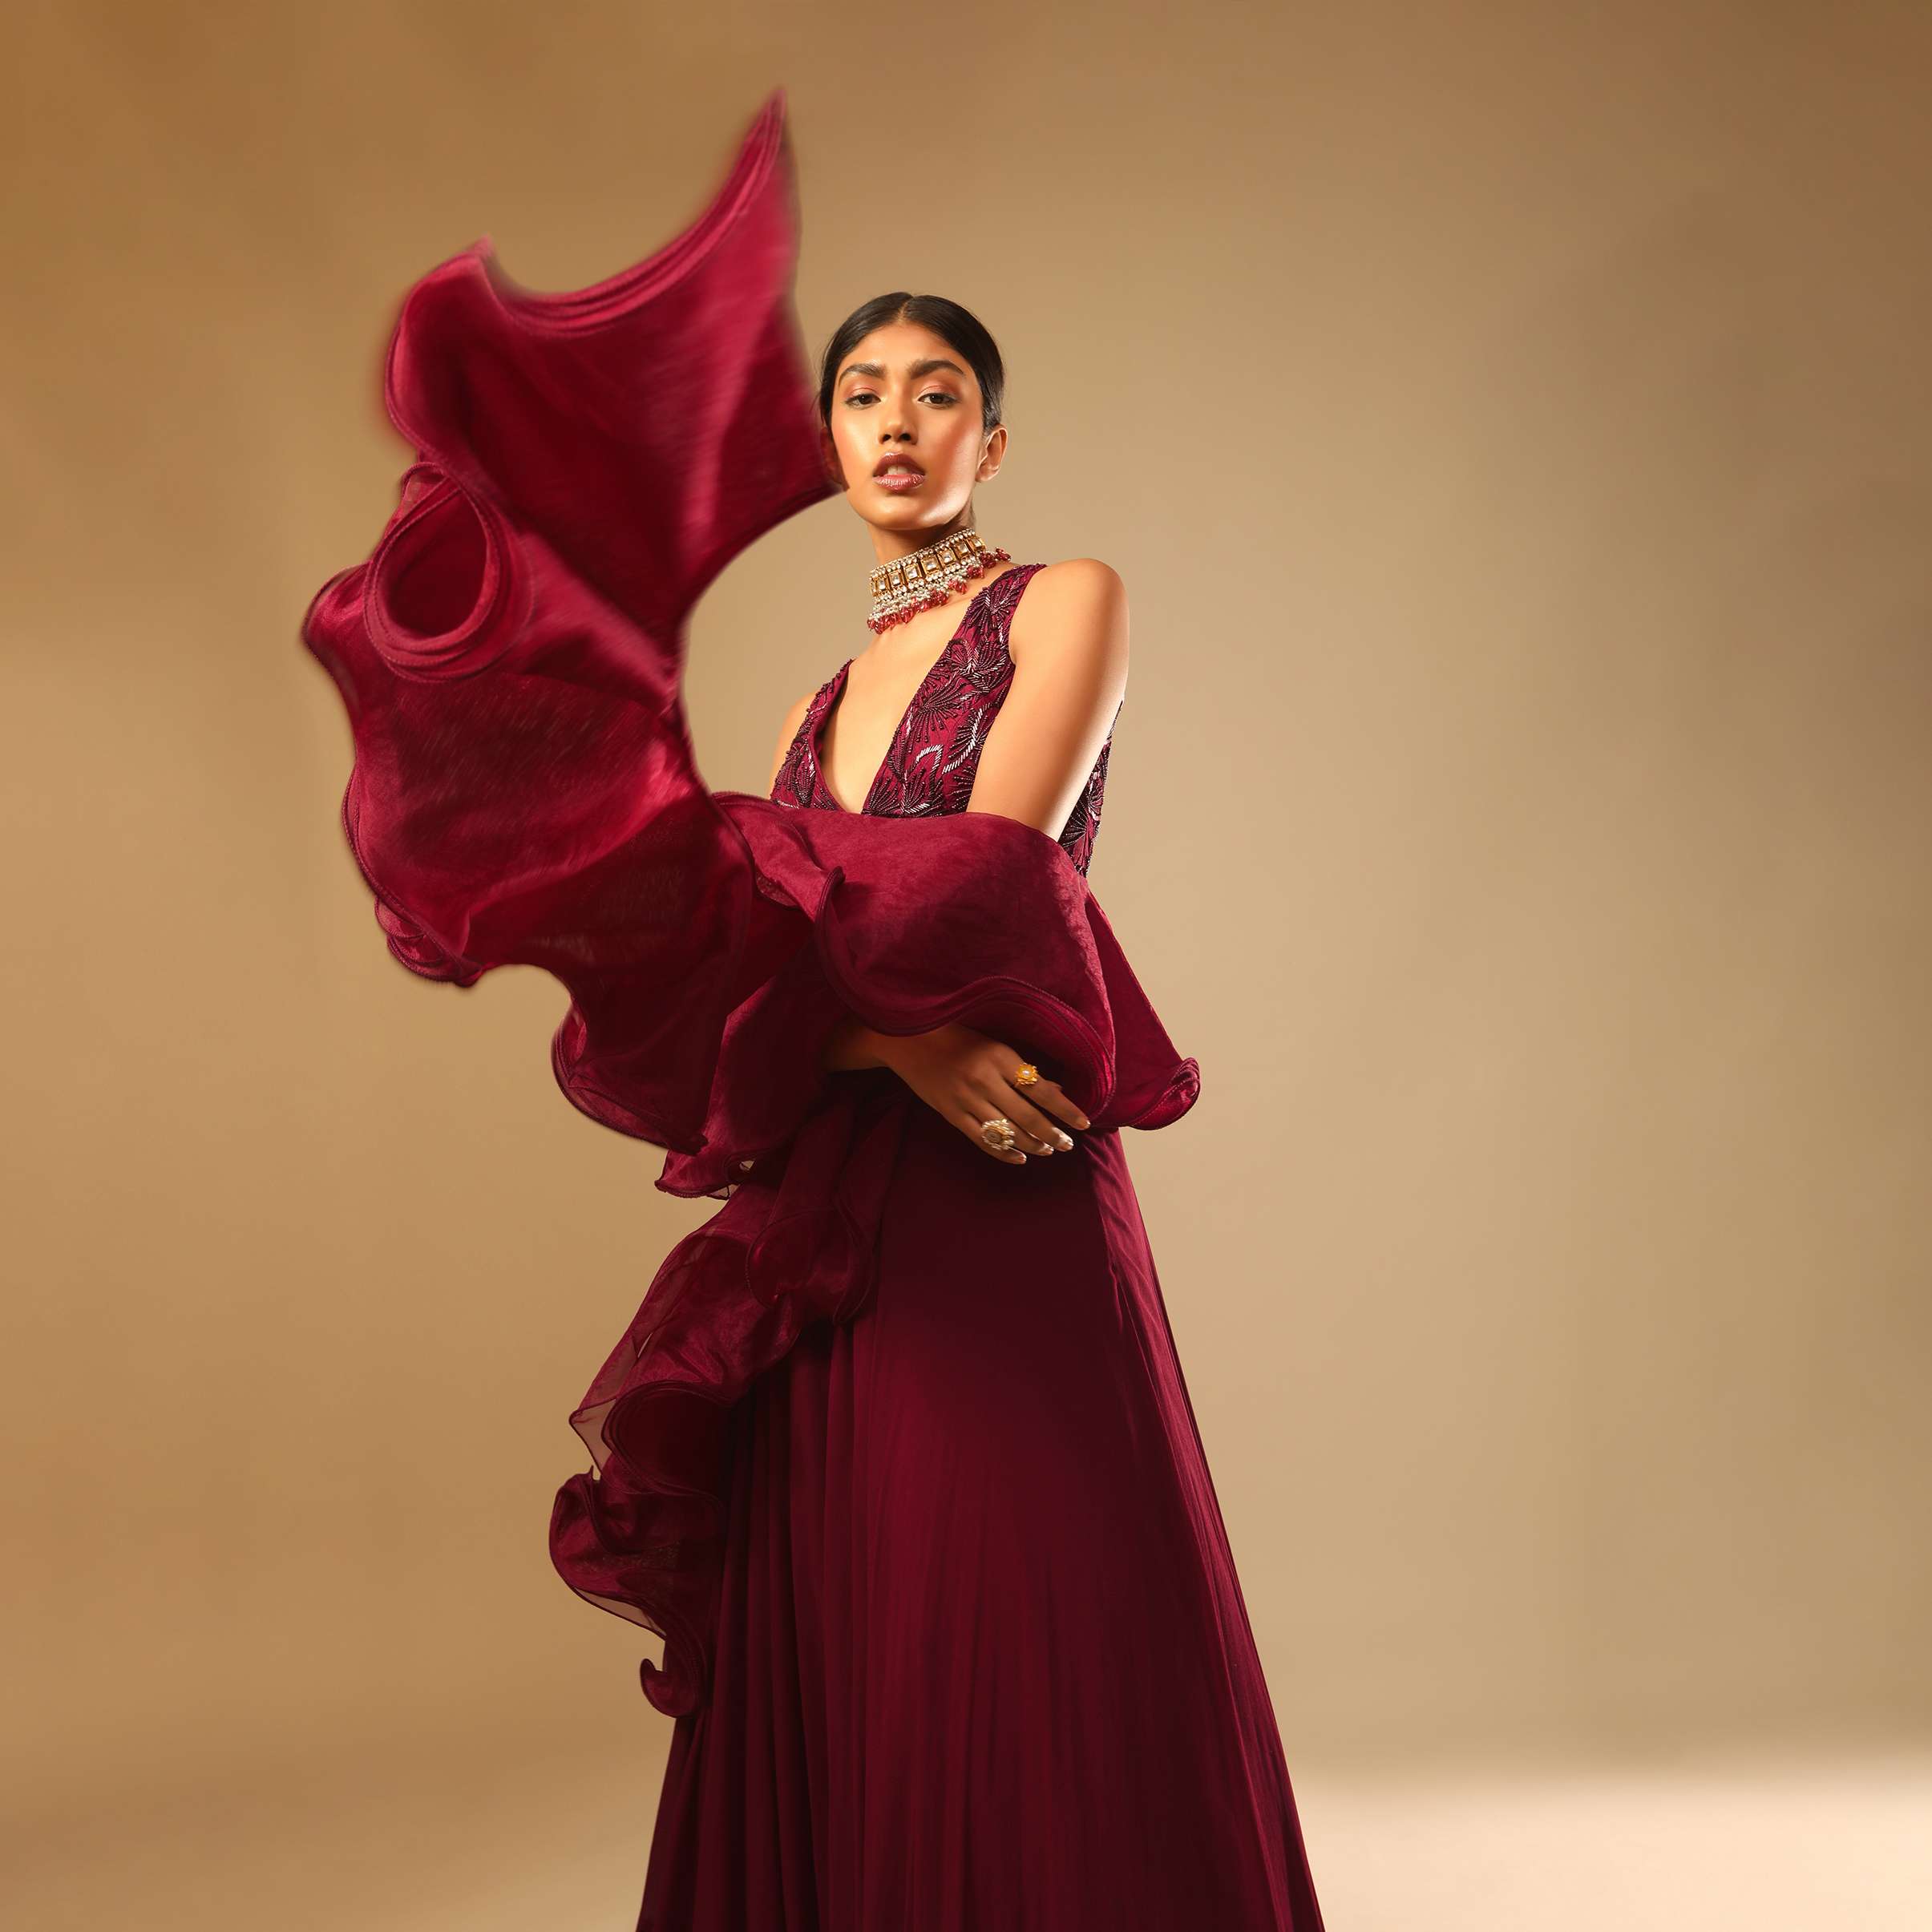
column 930, row 765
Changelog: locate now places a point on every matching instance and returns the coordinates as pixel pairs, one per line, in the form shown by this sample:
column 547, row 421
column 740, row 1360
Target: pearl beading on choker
column 923, row 578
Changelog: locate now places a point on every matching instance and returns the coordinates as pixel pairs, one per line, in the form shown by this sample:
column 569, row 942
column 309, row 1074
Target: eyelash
column 941, row 392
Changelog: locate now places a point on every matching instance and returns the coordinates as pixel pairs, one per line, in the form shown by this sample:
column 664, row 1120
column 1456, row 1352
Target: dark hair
column 958, row 327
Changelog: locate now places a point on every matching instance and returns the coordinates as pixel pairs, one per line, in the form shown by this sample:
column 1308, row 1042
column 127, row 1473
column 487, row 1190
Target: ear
column 996, row 450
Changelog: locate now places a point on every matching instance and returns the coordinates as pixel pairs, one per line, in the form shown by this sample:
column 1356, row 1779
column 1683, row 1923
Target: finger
column 1039, row 1134
column 1044, row 1123
column 1052, row 1100
column 1047, row 1095
column 969, row 1122
column 1019, row 1103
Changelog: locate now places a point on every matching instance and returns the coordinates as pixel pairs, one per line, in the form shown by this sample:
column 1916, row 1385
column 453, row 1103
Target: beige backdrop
column 1512, row 423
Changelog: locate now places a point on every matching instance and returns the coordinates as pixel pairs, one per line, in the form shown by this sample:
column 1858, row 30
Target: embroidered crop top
column 930, row 765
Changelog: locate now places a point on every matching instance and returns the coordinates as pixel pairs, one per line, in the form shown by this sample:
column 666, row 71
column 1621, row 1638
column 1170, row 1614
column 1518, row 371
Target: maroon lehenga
column 896, row 1456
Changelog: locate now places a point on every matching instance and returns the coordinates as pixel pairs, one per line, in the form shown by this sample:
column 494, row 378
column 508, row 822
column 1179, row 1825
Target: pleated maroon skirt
column 983, row 1663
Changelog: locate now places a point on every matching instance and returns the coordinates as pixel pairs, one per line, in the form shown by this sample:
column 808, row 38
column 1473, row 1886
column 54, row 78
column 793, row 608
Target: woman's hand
column 964, row 1076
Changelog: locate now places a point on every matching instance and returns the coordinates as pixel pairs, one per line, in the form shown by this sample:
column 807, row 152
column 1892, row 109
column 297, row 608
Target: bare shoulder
column 1079, row 605
column 1076, row 581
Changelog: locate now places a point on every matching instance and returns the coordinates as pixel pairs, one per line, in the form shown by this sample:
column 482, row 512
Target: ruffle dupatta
column 524, row 792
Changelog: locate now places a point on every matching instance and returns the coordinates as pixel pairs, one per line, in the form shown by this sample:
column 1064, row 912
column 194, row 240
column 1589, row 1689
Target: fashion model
column 896, row 1455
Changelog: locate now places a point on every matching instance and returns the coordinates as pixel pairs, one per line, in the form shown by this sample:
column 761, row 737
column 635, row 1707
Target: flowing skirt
column 983, row 1663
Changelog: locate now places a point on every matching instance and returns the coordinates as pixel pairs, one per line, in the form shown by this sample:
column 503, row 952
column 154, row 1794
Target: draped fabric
column 523, row 791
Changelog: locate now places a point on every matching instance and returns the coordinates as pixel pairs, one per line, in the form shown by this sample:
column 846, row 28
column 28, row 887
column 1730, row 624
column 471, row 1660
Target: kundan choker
column 926, row 577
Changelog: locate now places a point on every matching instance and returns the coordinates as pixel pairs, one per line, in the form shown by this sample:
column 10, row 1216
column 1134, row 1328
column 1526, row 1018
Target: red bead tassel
column 937, row 595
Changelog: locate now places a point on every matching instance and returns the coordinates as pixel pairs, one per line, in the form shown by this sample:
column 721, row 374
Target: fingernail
column 1065, row 1140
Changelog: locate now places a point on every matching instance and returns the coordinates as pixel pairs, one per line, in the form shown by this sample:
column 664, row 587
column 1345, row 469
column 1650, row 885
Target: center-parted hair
column 959, row 328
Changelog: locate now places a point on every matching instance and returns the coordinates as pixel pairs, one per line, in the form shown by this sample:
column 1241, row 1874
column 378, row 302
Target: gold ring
column 998, row 1131
column 1026, row 1076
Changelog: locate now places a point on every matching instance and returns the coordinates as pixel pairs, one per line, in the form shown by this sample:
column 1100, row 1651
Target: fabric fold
column 641, row 1534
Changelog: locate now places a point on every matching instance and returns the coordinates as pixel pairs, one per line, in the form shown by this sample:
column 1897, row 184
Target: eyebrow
column 924, row 367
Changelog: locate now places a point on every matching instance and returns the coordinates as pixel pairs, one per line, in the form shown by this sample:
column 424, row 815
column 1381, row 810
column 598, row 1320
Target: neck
column 889, row 546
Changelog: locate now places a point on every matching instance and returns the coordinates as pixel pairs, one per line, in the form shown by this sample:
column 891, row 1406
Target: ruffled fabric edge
column 910, row 925
column 641, row 1534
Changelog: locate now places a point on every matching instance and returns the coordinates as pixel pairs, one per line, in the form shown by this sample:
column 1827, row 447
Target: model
column 896, row 1455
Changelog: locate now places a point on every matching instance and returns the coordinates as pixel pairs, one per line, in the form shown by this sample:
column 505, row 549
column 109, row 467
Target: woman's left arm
column 1069, row 645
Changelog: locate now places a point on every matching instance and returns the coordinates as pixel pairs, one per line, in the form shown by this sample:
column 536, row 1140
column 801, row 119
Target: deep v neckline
column 838, row 693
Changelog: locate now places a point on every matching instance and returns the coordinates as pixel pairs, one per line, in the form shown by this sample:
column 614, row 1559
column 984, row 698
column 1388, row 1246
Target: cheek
column 962, row 445
column 855, row 451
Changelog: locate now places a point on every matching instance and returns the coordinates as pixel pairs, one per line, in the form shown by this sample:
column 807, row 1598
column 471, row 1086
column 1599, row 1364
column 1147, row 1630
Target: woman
column 983, row 700
column 896, row 1455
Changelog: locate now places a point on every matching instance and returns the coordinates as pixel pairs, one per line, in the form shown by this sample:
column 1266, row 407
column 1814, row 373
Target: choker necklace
column 923, row 578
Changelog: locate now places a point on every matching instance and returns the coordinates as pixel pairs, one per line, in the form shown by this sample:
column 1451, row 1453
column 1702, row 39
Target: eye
column 930, row 395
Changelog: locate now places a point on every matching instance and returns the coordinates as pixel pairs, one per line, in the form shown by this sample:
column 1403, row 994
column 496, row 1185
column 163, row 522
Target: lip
column 899, row 481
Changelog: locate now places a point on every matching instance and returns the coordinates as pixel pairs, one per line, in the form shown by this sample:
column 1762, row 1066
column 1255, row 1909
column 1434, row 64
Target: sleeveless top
column 934, row 754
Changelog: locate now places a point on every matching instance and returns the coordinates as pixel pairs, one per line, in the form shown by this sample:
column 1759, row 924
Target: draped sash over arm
column 523, row 791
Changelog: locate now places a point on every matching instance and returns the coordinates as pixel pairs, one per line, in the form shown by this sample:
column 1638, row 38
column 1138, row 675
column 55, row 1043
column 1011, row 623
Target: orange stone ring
column 1026, row 1076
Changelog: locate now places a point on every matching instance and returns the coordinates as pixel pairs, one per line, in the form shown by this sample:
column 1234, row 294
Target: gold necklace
column 923, row 578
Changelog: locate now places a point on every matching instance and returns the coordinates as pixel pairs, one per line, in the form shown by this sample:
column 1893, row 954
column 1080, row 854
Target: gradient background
column 1514, row 427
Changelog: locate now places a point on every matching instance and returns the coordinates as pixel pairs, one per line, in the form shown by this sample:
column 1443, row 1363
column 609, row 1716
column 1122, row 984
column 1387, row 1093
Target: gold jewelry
column 1027, row 1075
column 999, row 1132
column 914, row 582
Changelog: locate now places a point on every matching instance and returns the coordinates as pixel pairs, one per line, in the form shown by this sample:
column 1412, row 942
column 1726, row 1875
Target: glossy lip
column 886, row 462
column 899, row 480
